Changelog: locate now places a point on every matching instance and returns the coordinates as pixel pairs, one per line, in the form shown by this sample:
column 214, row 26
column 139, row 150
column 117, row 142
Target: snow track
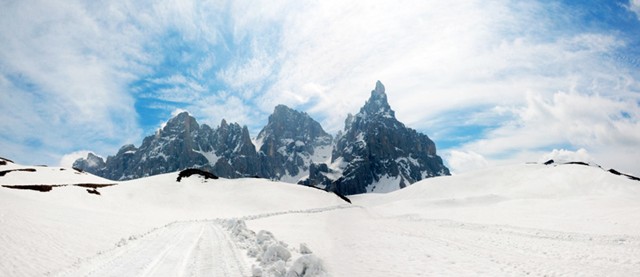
column 179, row 249
column 185, row 248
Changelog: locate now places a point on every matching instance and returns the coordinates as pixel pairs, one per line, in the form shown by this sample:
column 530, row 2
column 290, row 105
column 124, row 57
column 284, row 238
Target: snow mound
column 273, row 257
column 304, row 249
column 307, row 266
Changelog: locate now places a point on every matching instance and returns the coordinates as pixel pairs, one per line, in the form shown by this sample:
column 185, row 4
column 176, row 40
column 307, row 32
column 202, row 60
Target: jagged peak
column 127, row 148
column 377, row 103
column 181, row 116
column 379, row 90
column 91, row 155
column 181, row 119
column 282, row 108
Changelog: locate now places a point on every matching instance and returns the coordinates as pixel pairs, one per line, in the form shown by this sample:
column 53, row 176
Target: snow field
column 520, row 220
column 561, row 220
column 362, row 243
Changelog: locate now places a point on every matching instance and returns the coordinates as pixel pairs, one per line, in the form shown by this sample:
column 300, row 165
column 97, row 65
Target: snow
column 360, row 140
column 258, row 142
column 92, row 163
column 210, row 156
column 69, row 231
column 385, row 184
column 293, row 179
column 44, row 175
column 321, row 154
column 505, row 221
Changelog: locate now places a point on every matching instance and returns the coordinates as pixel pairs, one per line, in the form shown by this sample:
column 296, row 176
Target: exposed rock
column 289, row 143
column 191, row 171
column 376, row 152
column 181, row 143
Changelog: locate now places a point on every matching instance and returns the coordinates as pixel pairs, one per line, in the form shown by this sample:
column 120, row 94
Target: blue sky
column 491, row 82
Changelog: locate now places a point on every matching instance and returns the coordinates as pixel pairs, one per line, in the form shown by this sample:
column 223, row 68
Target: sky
column 491, row 82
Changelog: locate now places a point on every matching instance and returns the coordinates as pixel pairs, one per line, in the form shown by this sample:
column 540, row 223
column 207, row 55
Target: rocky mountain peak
column 291, row 124
column 281, row 110
column 378, row 153
column 290, row 142
column 180, row 123
column 377, row 105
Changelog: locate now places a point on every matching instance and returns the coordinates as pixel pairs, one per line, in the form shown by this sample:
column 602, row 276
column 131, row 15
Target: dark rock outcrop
column 4, row 172
column 191, row 171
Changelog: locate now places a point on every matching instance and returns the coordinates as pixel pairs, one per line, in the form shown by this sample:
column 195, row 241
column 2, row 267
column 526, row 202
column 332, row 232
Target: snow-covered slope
column 18, row 175
column 555, row 220
column 565, row 197
column 65, row 229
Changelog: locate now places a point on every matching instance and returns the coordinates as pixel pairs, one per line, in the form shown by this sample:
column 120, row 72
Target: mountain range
column 373, row 153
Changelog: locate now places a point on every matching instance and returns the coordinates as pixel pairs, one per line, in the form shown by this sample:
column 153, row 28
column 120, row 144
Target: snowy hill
column 514, row 220
column 564, row 197
column 69, row 231
column 15, row 175
column 519, row 220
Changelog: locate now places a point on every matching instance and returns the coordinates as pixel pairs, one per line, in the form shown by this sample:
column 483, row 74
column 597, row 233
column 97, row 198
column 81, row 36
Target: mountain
column 232, row 153
column 290, row 142
column 374, row 153
column 377, row 153
column 181, row 143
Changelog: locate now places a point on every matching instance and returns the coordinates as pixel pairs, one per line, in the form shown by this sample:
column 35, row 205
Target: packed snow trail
column 178, row 249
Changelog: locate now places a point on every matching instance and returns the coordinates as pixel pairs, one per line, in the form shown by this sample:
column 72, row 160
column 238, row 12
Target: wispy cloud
column 491, row 81
column 634, row 6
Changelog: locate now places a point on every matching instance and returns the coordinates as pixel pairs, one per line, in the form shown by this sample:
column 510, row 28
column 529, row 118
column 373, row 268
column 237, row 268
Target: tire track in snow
column 180, row 249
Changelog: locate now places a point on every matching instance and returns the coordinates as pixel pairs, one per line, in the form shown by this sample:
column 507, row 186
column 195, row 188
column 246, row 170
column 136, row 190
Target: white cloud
column 610, row 128
column 562, row 156
column 434, row 57
column 460, row 161
column 68, row 159
column 67, row 77
column 634, row 6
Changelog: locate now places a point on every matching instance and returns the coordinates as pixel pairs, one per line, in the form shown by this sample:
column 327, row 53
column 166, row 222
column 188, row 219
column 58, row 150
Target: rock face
column 180, row 144
column 290, row 142
column 374, row 153
column 232, row 153
column 377, row 153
